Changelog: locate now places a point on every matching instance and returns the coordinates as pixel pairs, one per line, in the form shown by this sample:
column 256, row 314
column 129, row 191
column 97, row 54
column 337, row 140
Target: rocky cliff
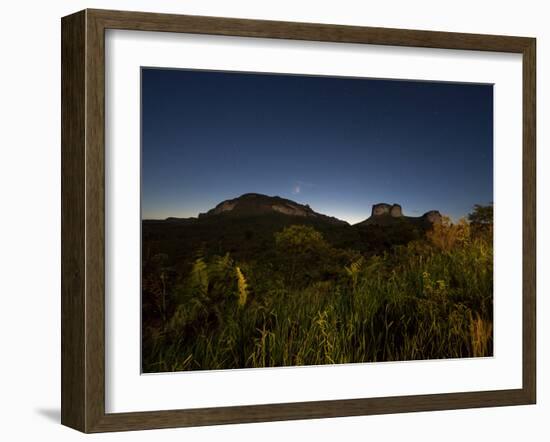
column 254, row 204
column 384, row 214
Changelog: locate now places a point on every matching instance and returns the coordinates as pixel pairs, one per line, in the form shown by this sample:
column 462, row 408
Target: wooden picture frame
column 83, row 220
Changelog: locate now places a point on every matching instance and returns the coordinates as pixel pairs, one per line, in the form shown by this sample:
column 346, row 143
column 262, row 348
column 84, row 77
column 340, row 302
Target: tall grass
column 429, row 299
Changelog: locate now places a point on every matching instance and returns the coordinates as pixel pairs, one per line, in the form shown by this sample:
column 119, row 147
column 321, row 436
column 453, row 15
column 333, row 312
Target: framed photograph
column 267, row 221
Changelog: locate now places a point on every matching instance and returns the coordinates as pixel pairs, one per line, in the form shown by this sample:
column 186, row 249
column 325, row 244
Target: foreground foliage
column 312, row 303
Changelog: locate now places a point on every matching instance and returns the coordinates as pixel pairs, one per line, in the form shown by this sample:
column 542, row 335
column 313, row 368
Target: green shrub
column 315, row 304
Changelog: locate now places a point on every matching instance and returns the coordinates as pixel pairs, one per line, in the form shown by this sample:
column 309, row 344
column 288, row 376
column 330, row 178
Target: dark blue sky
column 337, row 144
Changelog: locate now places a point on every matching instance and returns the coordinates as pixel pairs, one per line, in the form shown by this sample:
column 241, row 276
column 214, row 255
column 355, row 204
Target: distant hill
column 243, row 226
column 255, row 204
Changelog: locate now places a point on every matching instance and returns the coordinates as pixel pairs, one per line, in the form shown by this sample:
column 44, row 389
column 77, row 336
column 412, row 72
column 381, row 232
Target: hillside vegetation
column 280, row 291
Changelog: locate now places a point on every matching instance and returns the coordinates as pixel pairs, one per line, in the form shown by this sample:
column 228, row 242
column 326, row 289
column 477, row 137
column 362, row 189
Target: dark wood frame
column 83, row 216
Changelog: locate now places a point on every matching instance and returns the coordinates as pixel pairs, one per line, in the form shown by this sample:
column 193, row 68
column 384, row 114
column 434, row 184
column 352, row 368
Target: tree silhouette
column 482, row 215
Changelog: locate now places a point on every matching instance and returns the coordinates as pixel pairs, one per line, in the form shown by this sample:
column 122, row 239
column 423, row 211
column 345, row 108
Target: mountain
column 245, row 227
column 384, row 214
column 255, row 204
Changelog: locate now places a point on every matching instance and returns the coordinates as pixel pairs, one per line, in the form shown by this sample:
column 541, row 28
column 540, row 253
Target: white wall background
column 30, row 217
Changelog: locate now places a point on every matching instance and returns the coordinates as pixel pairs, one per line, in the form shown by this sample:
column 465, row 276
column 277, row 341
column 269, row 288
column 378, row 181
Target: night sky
column 337, row 144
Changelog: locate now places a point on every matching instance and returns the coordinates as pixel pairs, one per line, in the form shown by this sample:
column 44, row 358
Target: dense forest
column 273, row 289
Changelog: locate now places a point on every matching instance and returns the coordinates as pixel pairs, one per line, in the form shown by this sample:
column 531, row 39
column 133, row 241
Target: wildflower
column 242, row 287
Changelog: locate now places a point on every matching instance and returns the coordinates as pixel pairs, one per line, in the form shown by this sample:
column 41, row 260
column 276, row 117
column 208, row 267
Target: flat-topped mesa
column 389, row 214
column 386, row 209
column 256, row 204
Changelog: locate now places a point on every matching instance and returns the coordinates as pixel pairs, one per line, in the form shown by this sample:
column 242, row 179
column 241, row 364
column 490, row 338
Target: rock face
column 226, row 206
column 433, row 216
column 380, row 209
column 292, row 210
column 386, row 209
column 254, row 204
column 384, row 214
column 396, row 211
